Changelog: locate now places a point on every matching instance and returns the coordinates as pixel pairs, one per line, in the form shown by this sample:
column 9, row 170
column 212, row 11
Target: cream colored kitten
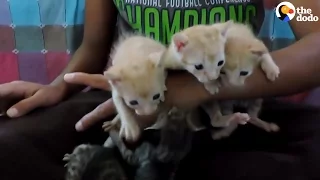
column 244, row 52
column 199, row 50
column 137, row 77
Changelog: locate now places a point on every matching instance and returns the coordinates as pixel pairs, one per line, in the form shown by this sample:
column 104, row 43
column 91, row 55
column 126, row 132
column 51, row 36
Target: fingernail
column 69, row 76
column 79, row 126
column 12, row 112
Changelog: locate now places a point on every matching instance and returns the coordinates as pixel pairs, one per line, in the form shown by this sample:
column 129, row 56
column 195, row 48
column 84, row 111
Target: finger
column 92, row 80
column 102, row 111
column 26, row 105
column 16, row 89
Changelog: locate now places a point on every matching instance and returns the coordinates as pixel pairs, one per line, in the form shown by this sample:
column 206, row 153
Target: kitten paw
column 67, row 157
column 128, row 155
column 219, row 135
column 225, row 132
column 108, row 125
column 272, row 71
column 109, row 143
column 212, row 88
column 273, row 127
column 130, row 132
column 240, row 118
column 164, row 154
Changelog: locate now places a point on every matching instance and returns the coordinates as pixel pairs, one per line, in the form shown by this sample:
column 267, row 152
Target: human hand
column 105, row 109
column 180, row 93
column 102, row 111
column 28, row 96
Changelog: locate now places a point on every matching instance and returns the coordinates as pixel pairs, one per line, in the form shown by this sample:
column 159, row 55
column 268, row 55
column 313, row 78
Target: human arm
column 91, row 57
column 299, row 69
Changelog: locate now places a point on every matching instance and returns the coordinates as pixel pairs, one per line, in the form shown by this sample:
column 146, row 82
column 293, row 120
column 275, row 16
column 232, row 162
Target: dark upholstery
column 32, row 146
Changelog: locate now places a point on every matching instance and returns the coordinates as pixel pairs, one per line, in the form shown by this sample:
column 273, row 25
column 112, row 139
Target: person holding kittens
column 46, row 133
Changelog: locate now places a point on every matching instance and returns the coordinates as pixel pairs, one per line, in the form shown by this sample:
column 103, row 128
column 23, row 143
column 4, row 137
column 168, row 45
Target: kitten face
column 240, row 64
column 205, row 66
column 141, row 86
column 201, row 51
column 243, row 53
column 143, row 96
column 237, row 76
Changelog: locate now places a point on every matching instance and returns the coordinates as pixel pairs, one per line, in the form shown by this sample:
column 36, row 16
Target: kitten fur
column 244, row 53
column 199, row 50
column 175, row 142
column 93, row 162
column 137, row 78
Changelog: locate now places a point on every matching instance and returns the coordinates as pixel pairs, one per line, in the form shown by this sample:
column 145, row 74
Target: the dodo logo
column 285, row 11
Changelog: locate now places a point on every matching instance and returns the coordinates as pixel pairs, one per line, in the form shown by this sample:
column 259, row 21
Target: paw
column 240, row 118
column 67, row 157
column 109, row 143
column 164, row 155
column 273, row 127
column 108, row 125
column 272, row 71
column 129, row 157
column 220, row 134
column 130, row 132
column 225, row 132
column 212, row 88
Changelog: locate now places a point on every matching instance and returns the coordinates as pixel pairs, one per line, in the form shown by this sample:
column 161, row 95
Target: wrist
column 185, row 91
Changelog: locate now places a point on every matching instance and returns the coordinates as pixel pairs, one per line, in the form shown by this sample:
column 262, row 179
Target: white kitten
column 137, row 77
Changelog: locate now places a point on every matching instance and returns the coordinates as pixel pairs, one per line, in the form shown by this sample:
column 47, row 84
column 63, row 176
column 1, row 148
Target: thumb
column 26, row 105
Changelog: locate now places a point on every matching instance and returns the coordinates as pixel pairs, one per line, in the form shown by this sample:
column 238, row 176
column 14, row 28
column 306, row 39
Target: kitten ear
column 226, row 27
column 156, row 58
column 112, row 76
column 180, row 41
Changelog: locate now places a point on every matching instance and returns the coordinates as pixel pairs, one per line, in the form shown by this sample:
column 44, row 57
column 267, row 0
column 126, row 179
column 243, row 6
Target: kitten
column 137, row 78
column 244, row 53
column 175, row 142
column 199, row 50
column 93, row 162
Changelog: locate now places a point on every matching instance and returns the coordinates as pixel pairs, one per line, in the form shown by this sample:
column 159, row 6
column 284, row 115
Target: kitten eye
column 222, row 72
column 198, row 66
column 244, row 73
column 156, row 96
column 220, row 63
column 134, row 102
